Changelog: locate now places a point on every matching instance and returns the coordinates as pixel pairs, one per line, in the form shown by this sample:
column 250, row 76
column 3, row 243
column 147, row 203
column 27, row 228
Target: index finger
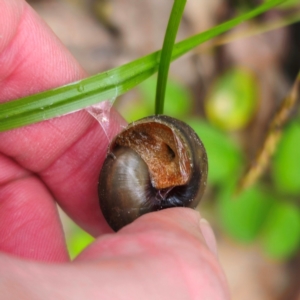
column 67, row 152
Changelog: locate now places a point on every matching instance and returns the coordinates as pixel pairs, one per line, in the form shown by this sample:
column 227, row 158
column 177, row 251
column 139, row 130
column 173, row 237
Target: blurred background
column 228, row 90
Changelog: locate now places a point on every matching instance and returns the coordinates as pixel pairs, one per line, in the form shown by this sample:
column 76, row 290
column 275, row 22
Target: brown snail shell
column 155, row 163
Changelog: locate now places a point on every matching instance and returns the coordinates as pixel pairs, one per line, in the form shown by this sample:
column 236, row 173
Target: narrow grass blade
column 255, row 29
column 107, row 85
column 166, row 54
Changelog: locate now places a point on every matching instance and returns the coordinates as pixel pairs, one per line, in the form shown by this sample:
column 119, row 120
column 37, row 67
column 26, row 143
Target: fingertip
column 32, row 58
column 175, row 234
column 11, row 12
column 29, row 223
column 177, row 218
column 209, row 236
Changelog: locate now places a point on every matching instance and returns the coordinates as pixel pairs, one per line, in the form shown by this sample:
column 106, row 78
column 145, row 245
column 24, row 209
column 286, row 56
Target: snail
column 155, row 163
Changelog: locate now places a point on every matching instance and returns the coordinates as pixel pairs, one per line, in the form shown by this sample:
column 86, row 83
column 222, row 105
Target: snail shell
column 155, row 163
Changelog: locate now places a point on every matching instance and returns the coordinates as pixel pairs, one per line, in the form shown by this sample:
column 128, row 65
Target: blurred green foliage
column 178, row 101
column 281, row 232
column 77, row 240
column 286, row 163
column 224, row 156
column 242, row 216
column 232, row 100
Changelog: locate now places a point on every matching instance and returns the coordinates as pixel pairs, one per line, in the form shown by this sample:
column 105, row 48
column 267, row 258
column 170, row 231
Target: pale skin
column 164, row 255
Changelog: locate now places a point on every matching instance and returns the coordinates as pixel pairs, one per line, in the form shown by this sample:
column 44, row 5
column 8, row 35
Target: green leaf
column 134, row 109
column 77, row 241
column 224, row 157
column 178, row 99
column 286, row 162
column 242, row 217
column 232, row 101
column 281, row 233
column 106, row 85
column 166, row 54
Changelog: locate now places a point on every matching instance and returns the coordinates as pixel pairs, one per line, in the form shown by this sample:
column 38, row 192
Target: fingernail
column 209, row 236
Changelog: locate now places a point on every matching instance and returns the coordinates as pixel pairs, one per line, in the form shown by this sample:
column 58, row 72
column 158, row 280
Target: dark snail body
column 155, row 163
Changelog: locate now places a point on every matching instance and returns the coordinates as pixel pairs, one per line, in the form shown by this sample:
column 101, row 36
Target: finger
column 209, row 236
column 161, row 227
column 67, row 152
column 29, row 222
column 161, row 255
column 32, row 58
column 165, row 249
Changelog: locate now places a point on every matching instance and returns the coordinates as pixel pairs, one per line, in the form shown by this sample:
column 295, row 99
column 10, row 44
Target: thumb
column 170, row 240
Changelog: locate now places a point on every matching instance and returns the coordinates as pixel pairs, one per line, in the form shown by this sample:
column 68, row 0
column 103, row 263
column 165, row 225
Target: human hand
column 162, row 255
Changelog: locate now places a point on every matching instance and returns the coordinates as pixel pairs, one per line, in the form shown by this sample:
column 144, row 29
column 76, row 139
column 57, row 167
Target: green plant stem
column 107, row 85
column 166, row 54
